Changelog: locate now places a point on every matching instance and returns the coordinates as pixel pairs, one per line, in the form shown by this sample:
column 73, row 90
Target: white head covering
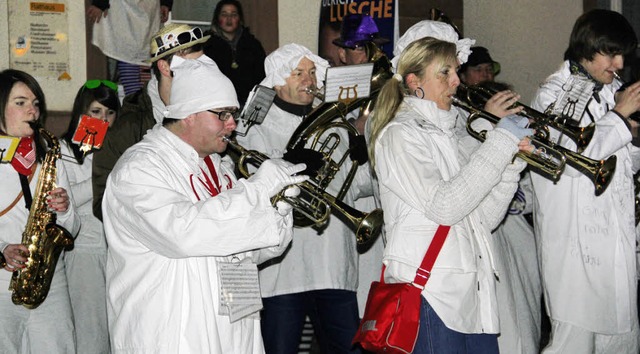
column 279, row 64
column 435, row 29
column 198, row 85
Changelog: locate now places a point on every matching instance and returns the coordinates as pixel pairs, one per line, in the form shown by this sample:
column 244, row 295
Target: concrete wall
column 298, row 22
column 527, row 37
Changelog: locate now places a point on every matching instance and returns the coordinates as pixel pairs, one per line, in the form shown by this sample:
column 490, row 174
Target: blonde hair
column 414, row 60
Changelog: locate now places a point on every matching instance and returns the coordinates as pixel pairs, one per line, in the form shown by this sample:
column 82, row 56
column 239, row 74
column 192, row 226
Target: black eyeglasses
column 225, row 115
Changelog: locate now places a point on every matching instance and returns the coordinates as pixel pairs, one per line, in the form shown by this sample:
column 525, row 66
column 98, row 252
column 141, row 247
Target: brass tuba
column 312, row 132
column 45, row 239
column 478, row 95
column 549, row 159
column 314, row 203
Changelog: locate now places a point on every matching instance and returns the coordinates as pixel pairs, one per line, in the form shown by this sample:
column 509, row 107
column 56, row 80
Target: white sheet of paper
column 348, row 82
column 576, row 93
column 239, row 289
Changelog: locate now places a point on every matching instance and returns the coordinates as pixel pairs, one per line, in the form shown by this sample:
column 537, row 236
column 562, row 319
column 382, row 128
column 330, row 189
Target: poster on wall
column 38, row 38
column 332, row 13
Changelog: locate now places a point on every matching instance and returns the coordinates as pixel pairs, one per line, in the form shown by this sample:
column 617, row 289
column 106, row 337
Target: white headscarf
column 198, row 85
column 435, row 29
column 279, row 64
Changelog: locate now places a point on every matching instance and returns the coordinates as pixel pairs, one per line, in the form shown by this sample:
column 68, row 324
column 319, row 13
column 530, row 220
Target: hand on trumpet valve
column 276, row 174
column 516, row 125
column 503, row 103
column 283, row 207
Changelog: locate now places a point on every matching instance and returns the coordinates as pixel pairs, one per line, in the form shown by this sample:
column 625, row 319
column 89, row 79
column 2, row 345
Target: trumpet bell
column 369, row 228
column 313, row 206
column 549, row 159
column 604, row 174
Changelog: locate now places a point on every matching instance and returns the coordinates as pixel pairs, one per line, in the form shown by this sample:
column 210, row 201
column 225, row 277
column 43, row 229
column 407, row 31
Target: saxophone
column 44, row 239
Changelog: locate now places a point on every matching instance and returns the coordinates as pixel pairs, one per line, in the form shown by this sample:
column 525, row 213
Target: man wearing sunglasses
column 145, row 108
column 183, row 232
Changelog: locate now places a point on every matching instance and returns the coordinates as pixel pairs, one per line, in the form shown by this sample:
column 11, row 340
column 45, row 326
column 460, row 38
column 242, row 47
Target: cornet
column 315, row 204
column 477, row 96
column 548, row 158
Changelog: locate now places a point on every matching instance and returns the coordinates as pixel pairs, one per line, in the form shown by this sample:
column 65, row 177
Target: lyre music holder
column 348, row 83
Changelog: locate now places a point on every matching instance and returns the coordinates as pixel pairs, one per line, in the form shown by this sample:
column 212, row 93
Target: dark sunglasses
column 91, row 84
column 225, row 115
column 183, row 38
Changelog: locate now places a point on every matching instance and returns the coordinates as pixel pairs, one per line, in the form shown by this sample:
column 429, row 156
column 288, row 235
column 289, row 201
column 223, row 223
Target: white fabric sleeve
column 494, row 207
column 285, row 224
column 413, row 175
column 156, row 213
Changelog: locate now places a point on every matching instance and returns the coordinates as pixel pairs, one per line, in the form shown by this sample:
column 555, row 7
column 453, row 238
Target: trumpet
column 549, row 159
column 314, row 203
column 477, row 96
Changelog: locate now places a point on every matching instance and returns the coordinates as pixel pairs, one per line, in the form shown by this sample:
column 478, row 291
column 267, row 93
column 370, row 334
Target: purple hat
column 357, row 30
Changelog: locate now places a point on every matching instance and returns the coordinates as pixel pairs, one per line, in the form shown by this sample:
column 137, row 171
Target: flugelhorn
column 314, row 203
column 549, row 159
column 477, row 96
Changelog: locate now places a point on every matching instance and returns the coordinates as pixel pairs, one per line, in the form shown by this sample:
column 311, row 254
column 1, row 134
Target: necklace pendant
column 234, row 65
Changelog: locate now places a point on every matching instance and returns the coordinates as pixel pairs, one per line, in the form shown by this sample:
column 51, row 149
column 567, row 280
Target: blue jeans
column 435, row 338
column 333, row 313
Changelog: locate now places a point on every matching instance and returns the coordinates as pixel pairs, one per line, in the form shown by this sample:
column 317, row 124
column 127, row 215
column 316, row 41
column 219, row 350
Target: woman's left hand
column 500, row 103
column 58, row 200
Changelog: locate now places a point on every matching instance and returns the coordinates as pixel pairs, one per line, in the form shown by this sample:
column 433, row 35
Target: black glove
column 313, row 159
column 358, row 149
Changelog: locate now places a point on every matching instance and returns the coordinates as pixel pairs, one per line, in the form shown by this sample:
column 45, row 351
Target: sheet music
column 576, row 93
column 348, row 82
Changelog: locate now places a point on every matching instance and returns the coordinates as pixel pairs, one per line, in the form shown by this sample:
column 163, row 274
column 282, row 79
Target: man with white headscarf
column 318, row 275
column 183, row 232
column 519, row 288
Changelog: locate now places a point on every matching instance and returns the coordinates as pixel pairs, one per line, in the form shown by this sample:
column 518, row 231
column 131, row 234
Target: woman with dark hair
column 85, row 264
column 48, row 328
column 237, row 52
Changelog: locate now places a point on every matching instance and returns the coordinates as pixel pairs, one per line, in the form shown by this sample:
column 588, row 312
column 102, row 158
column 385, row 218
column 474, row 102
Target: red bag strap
column 423, row 273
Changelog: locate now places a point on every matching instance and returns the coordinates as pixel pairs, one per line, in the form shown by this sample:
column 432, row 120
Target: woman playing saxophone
column 49, row 327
